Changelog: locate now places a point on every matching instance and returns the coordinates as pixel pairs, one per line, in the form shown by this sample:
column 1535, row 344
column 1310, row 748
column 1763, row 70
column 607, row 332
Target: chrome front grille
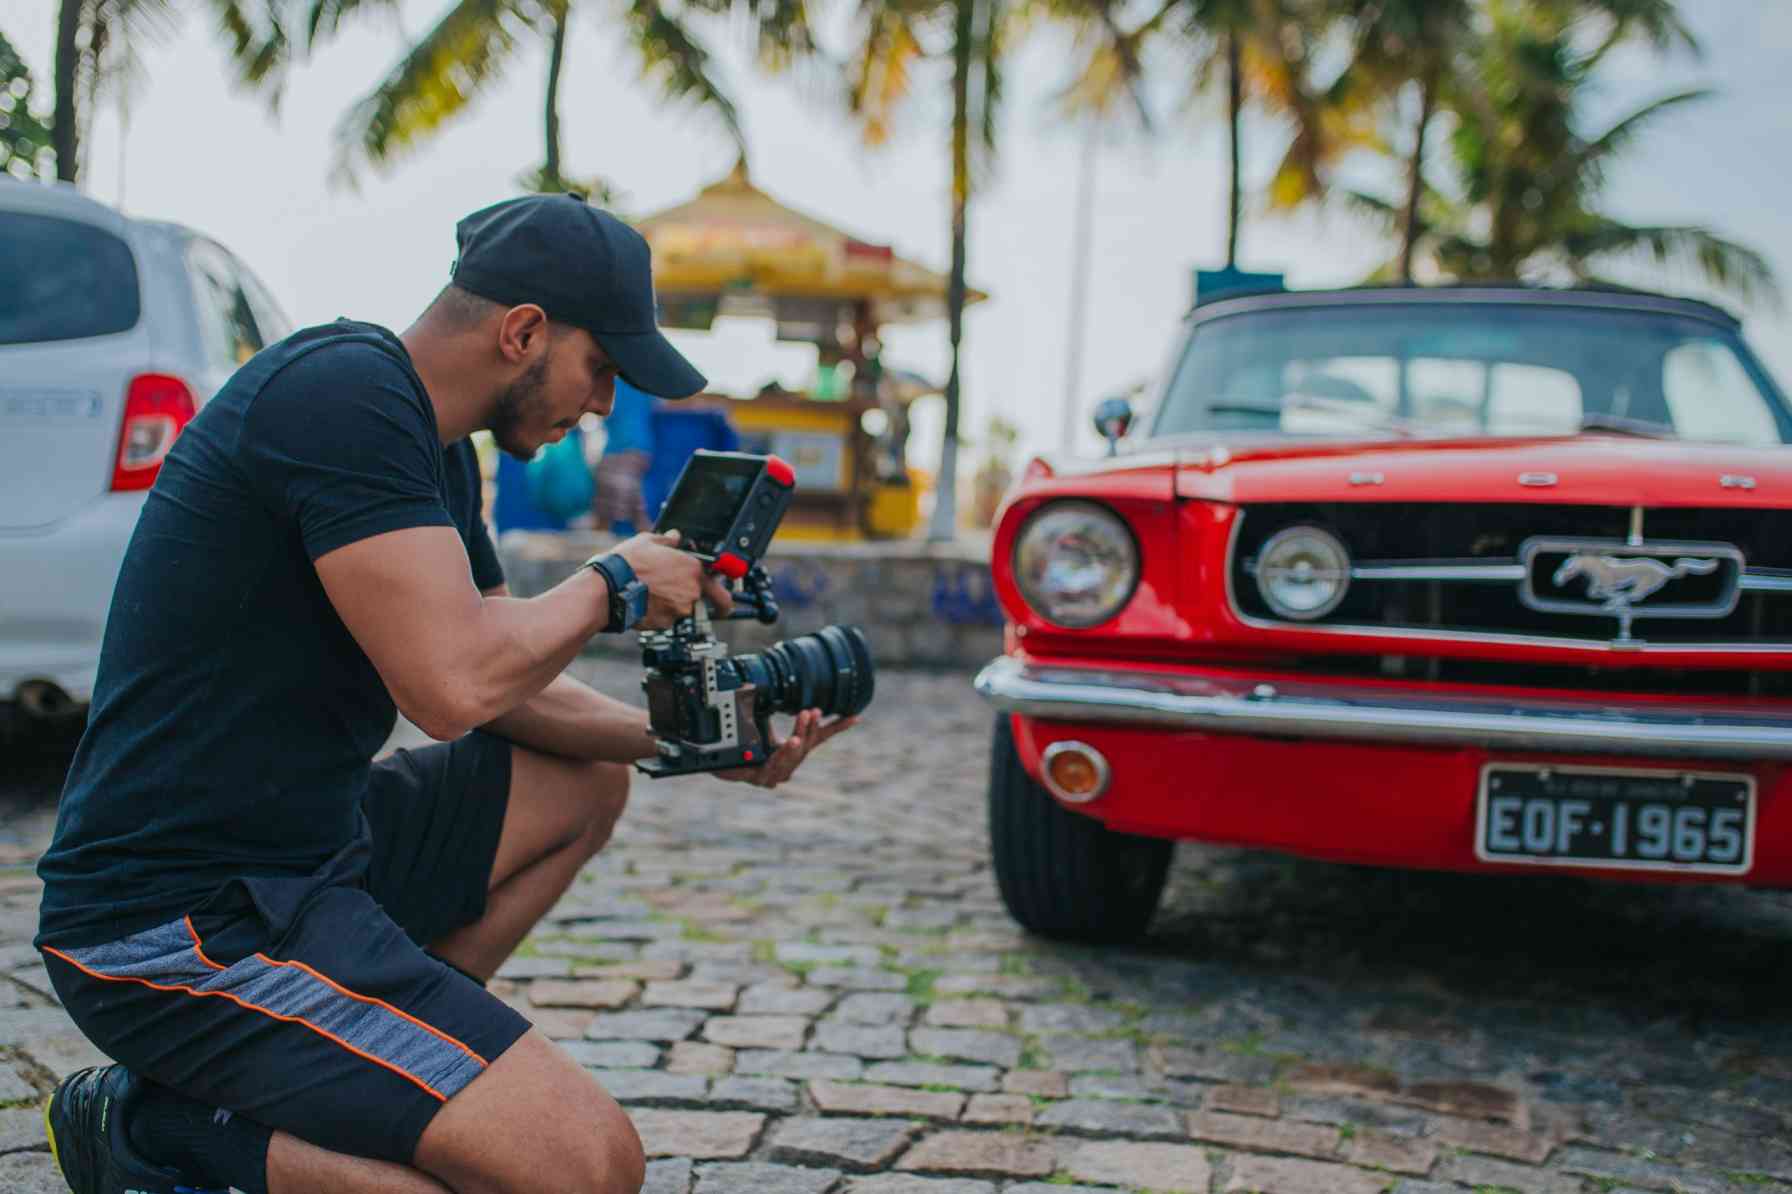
column 1722, row 578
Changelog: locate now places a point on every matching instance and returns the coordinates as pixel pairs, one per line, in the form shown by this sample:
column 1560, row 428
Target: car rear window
column 63, row 280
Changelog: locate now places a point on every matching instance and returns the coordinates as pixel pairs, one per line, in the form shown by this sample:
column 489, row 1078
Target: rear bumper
column 1335, row 711
column 1366, row 775
column 55, row 588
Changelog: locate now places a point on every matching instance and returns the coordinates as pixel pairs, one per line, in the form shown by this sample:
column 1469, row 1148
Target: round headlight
column 1076, row 563
column 1303, row 573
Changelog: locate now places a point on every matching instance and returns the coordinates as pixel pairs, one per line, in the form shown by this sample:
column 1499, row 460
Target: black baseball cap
column 583, row 266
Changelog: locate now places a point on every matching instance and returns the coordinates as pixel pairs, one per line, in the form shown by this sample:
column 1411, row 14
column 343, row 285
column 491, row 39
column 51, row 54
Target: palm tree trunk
column 944, row 524
column 65, row 137
column 1234, row 112
column 550, row 169
column 1415, row 174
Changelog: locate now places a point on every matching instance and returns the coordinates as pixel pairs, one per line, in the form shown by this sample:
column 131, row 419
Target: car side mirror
column 1113, row 419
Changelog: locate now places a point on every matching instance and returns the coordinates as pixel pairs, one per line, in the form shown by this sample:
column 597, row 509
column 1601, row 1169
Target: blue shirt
column 629, row 425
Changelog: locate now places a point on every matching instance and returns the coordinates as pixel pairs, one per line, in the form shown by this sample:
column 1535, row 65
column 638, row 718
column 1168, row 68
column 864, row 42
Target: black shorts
column 316, row 1010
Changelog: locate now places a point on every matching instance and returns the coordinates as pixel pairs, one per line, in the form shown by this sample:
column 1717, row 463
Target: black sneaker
column 84, row 1120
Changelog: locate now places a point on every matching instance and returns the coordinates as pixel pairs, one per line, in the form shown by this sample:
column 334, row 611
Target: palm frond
column 465, row 53
column 672, row 56
column 881, row 73
column 1620, row 136
column 1724, row 263
column 325, row 18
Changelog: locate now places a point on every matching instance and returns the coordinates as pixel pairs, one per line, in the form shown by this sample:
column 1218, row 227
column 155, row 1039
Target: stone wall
column 921, row 604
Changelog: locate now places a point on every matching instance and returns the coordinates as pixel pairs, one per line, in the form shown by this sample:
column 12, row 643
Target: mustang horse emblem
column 1622, row 581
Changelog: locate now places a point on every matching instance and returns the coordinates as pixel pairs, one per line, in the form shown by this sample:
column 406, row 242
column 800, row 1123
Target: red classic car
column 1493, row 579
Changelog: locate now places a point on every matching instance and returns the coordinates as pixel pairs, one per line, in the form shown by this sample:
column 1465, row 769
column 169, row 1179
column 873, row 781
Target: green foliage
column 24, row 135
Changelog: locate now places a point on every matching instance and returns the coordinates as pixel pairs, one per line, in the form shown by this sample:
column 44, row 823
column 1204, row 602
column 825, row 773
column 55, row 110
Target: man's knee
column 606, row 786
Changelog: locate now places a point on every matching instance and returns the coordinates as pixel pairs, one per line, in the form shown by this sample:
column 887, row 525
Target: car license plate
column 1691, row 821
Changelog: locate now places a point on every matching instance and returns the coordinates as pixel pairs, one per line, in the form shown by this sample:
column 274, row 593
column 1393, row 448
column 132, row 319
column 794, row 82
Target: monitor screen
column 708, row 497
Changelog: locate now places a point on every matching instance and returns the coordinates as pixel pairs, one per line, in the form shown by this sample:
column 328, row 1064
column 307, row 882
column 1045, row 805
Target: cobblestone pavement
column 816, row 991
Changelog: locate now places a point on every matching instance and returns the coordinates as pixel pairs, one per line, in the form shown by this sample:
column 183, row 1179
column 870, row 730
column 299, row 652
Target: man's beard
column 522, row 402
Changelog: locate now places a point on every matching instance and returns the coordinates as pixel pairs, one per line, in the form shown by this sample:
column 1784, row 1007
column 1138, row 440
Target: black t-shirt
column 235, row 718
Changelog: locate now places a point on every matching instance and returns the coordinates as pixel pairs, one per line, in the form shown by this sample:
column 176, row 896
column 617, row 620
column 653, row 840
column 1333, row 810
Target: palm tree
column 471, row 45
column 1522, row 201
column 24, row 137
column 890, row 39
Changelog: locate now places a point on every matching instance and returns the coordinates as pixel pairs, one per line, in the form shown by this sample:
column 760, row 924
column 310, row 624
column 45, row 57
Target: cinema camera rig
column 710, row 712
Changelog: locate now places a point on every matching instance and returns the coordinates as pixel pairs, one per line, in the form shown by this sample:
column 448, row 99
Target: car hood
column 1593, row 469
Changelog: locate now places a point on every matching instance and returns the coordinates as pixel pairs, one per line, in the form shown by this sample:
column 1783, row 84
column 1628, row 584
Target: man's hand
column 675, row 580
column 805, row 736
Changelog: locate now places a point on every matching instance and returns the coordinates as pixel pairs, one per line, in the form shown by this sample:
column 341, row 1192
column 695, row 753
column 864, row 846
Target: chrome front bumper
column 1230, row 706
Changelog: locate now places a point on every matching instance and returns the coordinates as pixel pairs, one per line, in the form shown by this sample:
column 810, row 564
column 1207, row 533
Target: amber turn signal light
column 1074, row 772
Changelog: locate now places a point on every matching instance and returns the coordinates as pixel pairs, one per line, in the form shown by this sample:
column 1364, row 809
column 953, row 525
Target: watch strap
column 628, row 595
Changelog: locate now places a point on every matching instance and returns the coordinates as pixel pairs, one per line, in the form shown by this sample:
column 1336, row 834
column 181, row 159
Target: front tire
column 1061, row 874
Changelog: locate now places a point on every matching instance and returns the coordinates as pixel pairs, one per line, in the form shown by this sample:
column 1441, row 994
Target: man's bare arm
column 570, row 719
column 453, row 658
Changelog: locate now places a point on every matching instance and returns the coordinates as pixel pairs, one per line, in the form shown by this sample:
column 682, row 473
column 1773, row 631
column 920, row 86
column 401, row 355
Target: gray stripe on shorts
column 168, row 956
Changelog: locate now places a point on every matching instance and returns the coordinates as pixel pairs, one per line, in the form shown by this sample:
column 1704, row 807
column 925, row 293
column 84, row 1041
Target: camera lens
column 830, row 670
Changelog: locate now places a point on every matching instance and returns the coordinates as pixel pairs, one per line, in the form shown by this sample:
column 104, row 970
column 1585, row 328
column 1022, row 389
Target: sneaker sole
column 50, row 1131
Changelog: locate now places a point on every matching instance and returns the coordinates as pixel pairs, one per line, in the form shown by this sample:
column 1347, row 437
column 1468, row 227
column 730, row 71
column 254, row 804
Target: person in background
column 628, row 451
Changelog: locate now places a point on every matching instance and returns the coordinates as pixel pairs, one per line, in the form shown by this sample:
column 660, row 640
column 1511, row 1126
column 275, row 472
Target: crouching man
column 283, row 943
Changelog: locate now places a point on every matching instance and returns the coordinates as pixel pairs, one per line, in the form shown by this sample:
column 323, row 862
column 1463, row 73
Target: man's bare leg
column 561, row 812
column 295, row 1167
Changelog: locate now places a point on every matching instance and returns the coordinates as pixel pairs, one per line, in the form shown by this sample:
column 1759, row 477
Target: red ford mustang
column 1481, row 579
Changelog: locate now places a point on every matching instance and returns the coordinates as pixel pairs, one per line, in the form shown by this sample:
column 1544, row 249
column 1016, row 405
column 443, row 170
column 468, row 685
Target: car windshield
column 1463, row 368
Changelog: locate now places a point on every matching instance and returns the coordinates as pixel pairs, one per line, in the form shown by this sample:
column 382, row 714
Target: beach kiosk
column 733, row 250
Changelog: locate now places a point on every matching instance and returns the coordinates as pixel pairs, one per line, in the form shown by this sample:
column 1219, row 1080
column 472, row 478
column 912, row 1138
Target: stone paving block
column 1498, row 1140
column 1484, row 1171
column 668, row 1177
column 860, row 1040
column 903, row 1183
column 1170, row 1167
column 700, row 1134
column 770, row 999
column 779, row 1063
column 648, row 970
column 875, row 1008
column 856, row 1145
column 1048, row 1084
column 757, row 1032
column 1132, row 1087
column 968, row 1013
column 1056, row 1187
column 856, row 1099
column 740, row 972
column 696, row 1057
column 999, row 1109
column 1362, row 1113
column 699, row 951
column 37, row 977
column 61, row 1053
column 21, row 1128
column 13, row 1087
column 999, row 940
column 535, row 967
column 735, row 1093
column 717, row 997
column 1350, row 1081
column 936, row 957
column 1264, row 1135
column 857, row 978
column 758, row 1178
column 654, row 1087
column 660, row 1024
column 1082, row 1053
column 555, row 1023
column 31, row 1173
column 1101, row 1117
column 1285, row 1175
column 966, row 1044
column 604, row 993
column 1211, row 1065
column 921, row 1073
column 1070, row 1017
column 980, row 1154
column 1396, row 1154
column 1609, row 1167
column 613, row 1055
column 1245, row 1100
column 1011, row 986
column 802, row 952
column 1471, row 1100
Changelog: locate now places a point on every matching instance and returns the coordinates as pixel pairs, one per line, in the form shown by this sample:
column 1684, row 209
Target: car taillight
column 156, row 407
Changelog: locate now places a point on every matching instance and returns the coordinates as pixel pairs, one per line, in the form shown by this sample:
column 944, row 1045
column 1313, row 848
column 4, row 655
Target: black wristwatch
column 628, row 593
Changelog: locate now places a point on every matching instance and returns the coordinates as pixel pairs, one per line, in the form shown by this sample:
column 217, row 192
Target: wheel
column 1064, row 875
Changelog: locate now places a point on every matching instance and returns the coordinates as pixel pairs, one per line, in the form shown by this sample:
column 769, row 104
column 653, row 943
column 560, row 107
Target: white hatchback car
column 113, row 332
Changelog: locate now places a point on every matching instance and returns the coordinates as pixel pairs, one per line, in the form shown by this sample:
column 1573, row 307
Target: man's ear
column 522, row 333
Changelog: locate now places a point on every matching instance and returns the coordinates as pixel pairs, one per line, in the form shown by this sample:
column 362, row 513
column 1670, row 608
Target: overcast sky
column 203, row 154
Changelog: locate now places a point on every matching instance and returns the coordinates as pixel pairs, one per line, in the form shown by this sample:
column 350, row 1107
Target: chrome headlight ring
column 1076, row 563
column 1303, row 573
